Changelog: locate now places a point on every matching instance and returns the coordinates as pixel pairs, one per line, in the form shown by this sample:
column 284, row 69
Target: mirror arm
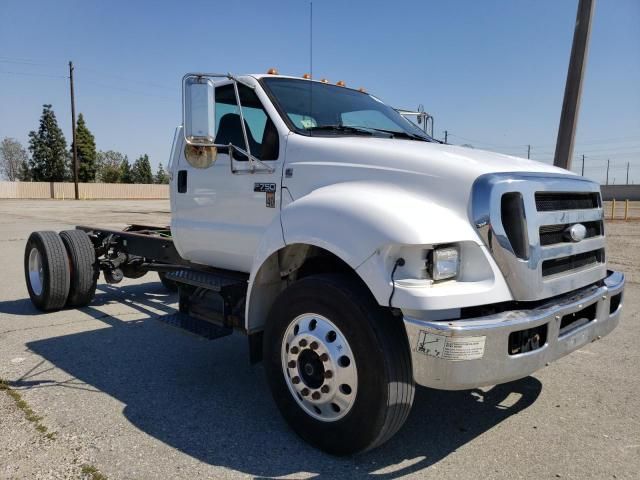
column 230, row 76
column 244, row 127
column 252, row 161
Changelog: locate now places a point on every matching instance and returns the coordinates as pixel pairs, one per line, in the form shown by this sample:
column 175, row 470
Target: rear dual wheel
column 60, row 270
column 338, row 364
column 83, row 265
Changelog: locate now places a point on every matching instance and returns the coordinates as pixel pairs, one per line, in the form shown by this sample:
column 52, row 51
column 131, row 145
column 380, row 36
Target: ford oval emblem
column 577, row 232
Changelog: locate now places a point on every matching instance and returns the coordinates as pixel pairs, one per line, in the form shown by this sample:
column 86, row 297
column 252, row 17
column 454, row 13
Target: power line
column 31, row 74
column 98, row 84
column 126, row 79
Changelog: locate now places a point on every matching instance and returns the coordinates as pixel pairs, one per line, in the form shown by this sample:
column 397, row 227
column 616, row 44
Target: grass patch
column 29, row 414
column 92, row 472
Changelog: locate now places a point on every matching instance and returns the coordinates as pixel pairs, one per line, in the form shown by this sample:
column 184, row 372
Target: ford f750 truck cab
column 359, row 255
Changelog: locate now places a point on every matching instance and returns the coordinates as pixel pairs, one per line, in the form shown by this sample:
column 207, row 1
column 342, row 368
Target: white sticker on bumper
column 450, row 348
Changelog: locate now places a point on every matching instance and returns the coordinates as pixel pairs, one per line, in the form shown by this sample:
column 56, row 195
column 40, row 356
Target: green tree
column 48, row 149
column 126, row 175
column 24, row 174
column 12, row 156
column 108, row 166
column 86, row 152
column 141, row 170
column 161, row 176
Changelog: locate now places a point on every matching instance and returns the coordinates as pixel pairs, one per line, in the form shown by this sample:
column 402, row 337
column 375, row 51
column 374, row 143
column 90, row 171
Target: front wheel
column 338, row 364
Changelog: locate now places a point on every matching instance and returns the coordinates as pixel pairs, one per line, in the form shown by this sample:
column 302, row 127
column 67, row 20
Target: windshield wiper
column 399, row 134
column 340, row 128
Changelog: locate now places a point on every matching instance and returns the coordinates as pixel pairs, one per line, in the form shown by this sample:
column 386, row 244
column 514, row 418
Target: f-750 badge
column 264, row 187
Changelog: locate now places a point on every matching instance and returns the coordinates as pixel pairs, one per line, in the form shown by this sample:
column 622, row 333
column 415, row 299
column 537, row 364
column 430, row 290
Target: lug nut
column 303, row 343
column 328, row 374
column 315, row 395
column 292, row 364
column 295, row 380
column 324, row 357
column 294, row 350
column 325, row 389
column 314, row 345
column 304, row 392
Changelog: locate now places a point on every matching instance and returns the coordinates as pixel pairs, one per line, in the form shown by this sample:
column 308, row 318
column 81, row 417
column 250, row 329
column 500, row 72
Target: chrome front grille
column 525, row 221
column 554, row 201
column 552, row 234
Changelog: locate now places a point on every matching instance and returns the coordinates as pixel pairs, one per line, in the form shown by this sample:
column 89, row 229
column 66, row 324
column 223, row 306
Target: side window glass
column 261, row 132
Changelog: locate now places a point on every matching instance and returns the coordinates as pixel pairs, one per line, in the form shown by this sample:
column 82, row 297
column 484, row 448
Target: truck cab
column 358, row 254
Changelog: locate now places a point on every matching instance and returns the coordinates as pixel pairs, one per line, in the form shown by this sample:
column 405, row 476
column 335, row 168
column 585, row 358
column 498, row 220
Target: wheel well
column 322, row 261
column 284, row 267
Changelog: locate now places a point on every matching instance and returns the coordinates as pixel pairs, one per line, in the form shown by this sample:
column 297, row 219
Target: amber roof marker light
column 272, row 71
column 307, row 76
column 341, row 83
column 324, row 80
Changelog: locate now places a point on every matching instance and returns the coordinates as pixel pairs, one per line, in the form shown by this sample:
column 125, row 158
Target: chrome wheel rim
column 319, row 367
column 36, row 273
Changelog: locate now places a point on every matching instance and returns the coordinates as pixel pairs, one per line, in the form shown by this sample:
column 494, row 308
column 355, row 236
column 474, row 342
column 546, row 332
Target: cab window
column 261, row 132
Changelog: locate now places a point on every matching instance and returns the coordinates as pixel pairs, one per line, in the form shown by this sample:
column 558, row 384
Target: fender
column 361, row 222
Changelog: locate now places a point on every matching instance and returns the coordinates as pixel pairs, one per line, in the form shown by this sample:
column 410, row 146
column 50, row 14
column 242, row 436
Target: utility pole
column 607, row 183
column 528, row 151
column 583, row 164
column 73, row 134
column 446, row 136
column 573, row 86
column 627, row 173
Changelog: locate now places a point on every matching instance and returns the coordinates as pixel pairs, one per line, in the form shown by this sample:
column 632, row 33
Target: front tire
column 46, row 269
column 338, row 364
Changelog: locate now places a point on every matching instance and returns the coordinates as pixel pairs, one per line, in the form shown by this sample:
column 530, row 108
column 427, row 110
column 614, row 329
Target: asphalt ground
column 110, row 390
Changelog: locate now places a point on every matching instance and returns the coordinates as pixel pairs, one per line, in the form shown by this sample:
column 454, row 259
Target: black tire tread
column 85, row 271
column 392, row 340
column 56, row 266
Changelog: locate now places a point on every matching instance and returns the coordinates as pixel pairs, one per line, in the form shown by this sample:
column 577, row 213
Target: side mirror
column 198, row 110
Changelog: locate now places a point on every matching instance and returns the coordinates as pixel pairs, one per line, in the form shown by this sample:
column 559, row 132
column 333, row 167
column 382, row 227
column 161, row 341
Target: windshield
column 313, row 108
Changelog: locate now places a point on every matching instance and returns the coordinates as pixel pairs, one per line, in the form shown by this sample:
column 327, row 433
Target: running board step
column 209, row 281
column 196, row 326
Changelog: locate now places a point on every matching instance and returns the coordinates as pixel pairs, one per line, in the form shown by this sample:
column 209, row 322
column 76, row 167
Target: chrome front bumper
column 463, row 354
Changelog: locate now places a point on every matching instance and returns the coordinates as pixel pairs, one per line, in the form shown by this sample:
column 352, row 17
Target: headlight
column 445, row 263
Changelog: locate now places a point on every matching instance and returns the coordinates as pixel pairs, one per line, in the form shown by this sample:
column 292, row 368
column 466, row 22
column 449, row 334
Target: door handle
column 182, row 181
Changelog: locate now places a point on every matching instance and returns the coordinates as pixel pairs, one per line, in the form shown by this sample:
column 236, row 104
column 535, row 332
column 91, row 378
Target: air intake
column 554, row 201
column 514, row 223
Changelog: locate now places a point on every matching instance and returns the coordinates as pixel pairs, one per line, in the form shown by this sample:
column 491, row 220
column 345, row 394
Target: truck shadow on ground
column 203, row 398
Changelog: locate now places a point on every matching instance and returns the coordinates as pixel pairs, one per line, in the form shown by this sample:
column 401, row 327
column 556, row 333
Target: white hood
column 444, row 173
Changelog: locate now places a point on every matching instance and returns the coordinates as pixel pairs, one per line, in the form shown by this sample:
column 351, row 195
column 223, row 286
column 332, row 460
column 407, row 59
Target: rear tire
column 84, row 268
column 46, row 268
column 380, row 396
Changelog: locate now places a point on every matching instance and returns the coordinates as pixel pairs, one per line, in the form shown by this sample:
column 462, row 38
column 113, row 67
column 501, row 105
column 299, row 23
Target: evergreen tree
column 24, row 173
column 108, row 165
column 86, row 152
column 48, row 149
column 161, row 176
column 141, row 171
column 126, row 175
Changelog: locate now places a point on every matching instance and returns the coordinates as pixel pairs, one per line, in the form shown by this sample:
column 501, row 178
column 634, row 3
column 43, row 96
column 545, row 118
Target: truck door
column 218, row 217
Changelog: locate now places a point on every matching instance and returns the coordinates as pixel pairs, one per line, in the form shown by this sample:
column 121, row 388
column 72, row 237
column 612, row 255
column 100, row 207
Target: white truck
column 359, row 255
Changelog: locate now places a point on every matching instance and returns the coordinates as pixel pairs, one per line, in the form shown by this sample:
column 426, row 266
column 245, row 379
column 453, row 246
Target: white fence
column 87, row 191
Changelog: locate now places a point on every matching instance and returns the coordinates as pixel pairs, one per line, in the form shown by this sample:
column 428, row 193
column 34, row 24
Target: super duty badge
column 270, row 190
column 264, row 187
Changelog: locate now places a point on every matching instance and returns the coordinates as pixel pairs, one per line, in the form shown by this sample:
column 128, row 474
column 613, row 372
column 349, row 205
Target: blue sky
column 491, row 72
